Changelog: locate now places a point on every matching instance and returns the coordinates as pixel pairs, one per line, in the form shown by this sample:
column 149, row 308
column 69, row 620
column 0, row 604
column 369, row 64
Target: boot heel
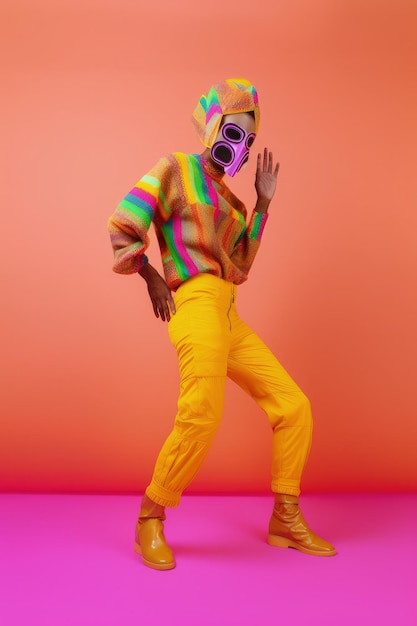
column 278, row 542
column 138, row 549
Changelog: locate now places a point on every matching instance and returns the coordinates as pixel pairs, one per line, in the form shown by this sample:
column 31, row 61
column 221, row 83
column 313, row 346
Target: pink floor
column 69, row 560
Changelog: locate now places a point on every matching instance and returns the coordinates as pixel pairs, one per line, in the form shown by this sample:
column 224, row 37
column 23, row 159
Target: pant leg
column 200, row 332
column 256, row 370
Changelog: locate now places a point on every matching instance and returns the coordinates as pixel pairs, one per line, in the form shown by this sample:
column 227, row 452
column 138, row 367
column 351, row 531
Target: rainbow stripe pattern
column 233, row 95
column 199, row 223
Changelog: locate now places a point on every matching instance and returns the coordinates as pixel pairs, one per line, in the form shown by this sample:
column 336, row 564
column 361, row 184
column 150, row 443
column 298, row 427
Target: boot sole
column 282, row 542
column 158, row 566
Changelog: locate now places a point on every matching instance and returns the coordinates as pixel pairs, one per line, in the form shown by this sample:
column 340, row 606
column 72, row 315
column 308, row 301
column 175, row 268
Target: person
column 208, row 245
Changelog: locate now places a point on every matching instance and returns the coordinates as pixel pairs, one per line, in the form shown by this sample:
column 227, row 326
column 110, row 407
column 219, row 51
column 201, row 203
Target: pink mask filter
column 233, row 150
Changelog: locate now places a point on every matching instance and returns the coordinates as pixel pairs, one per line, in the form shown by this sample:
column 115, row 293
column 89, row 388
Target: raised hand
column 266, row 178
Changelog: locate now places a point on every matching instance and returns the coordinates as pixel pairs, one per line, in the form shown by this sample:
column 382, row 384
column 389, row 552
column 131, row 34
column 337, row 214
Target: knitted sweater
column 200, row 224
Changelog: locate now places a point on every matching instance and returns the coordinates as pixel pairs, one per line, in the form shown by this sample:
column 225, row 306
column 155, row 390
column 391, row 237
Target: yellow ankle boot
column 288, row 529
column 150, row 541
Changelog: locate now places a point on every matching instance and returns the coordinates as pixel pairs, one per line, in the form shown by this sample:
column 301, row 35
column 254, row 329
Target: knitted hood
column 234, row 95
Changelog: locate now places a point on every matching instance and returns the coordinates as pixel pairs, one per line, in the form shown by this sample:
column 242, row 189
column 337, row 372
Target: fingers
column 164, row 308
column 161, row 311
column 155, row 309
column 164, row 311
column 266, row 164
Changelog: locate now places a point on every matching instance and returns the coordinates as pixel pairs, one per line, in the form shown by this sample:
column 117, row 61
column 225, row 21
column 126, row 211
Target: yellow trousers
column 212, row 342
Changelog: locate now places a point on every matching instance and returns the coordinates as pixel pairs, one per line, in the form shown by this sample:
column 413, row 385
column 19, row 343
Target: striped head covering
column 234, row 95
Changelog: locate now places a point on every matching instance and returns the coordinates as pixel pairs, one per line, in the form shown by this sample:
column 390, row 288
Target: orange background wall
column 93, row 93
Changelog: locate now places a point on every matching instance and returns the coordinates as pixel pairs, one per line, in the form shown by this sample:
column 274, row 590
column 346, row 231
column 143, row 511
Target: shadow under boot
column 150, row 540
column 288, row 529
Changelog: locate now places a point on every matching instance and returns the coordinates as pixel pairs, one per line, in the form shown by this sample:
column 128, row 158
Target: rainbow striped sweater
column 200, row 224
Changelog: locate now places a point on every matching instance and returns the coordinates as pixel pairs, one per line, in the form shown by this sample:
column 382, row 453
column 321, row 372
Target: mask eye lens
column 250, row 140
column 223, row 154
column 232, row 133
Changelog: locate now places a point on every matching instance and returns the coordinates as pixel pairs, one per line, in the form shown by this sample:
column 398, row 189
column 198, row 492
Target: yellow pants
column 212, row 342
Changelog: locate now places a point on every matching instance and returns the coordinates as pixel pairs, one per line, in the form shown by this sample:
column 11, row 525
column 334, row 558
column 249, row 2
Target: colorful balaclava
column 234, row 95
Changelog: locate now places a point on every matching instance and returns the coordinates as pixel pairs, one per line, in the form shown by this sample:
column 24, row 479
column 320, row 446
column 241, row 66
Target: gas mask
column 232, row 150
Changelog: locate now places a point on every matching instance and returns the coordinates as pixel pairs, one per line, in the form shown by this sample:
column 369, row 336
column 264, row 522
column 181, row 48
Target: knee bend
column 200, row 408
column 304, row 410
column 197, row 429
column 295, row 412
column 300, row 415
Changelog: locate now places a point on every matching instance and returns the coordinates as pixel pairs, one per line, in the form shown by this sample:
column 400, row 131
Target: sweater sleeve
column 128, row 226
column 246, row 248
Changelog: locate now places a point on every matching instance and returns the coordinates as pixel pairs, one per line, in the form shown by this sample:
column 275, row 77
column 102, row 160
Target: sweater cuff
column 257, row 225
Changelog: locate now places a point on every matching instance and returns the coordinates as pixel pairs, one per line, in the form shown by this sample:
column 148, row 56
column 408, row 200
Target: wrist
column 147, row 272
column 262, row 205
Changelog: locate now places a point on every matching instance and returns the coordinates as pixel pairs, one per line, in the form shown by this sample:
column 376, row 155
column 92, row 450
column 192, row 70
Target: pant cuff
column 285, row 489
column 161, row 496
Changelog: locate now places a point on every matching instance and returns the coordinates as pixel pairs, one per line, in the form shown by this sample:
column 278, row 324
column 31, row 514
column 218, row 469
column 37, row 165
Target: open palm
column 266, row 176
